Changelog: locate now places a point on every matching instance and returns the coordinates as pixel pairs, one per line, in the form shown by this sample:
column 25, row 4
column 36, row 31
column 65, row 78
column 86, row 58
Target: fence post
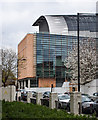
column 38, row 98
column 29, row 95
column 52, row 99
column 75, row 102
column 13, row 93
column 18, row 96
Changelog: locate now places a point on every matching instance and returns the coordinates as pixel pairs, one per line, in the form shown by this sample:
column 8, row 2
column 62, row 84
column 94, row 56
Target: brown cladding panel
column 25, row 56
column 46, row 82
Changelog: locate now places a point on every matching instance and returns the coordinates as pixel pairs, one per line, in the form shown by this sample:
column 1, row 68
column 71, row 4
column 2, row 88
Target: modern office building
column 42, row 55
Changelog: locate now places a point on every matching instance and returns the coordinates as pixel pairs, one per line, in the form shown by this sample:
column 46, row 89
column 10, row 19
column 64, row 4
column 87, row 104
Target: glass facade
column 51, row 52
column 87, row 22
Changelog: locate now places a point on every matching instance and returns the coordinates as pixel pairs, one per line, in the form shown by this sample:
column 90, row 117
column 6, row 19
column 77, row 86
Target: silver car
column 87, row 105
column 95, row 107
column 63, row 101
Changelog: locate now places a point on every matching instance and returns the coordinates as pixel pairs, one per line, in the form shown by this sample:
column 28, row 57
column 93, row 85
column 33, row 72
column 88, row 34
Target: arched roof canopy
column 66, row 24
column 42, row 23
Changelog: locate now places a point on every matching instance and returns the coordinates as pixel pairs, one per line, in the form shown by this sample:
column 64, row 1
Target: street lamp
column 78, row 53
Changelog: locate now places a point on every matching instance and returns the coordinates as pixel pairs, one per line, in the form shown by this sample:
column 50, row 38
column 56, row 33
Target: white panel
column 57, row 25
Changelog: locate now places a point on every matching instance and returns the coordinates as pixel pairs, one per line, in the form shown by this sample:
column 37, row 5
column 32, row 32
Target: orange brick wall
column 46, row 82
column 26, row 51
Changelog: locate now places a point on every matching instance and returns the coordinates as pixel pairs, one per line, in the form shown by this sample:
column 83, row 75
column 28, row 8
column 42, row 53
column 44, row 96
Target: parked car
column 67, row 93
column 33, row 94
column 22, row 90
column 60, row 93
column 24, row 96
column 95, row 107
column 19, row 98
column 22, row 93
column 87, row 104
column 95, row 94
column 63, row 101
column 46, row 94
column 86, row 95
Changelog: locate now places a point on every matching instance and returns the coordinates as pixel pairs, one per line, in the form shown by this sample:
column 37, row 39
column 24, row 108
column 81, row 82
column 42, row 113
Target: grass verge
column 20, row 110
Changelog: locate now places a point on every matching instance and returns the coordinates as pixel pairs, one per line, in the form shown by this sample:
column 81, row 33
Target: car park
column 22, row 90
column 63, row 101
column 95, row 107
column 24, row 96
column 19, row 97
column 23, row 93
column 46, row 94
column 87, row 105
column 33, row 94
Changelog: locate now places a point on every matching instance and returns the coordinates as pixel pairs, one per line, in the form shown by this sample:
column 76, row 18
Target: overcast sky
column 17, row 17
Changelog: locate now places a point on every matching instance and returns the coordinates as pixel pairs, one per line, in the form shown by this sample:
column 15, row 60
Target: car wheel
column 59, row 106
column 68, row 108
column 82, row 110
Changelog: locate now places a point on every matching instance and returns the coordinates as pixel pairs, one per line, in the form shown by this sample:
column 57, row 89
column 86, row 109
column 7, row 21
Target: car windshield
column 85, row 99
column 23, row 91
column 59, row 93
column 47, row 93
column 86, row 95
column 33, row 92
column 63, row 97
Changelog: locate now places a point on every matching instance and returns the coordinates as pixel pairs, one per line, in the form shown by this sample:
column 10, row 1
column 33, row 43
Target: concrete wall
column 64, row 88
column 38, row 89
column 90, row 88
column 55, row 89
column 60, row 90
column 8, row 93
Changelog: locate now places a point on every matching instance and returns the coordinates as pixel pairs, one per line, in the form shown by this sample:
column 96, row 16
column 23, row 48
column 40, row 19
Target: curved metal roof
column 64, row 24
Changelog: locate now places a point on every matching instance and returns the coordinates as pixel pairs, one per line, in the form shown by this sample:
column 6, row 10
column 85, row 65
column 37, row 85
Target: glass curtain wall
column 51, row 52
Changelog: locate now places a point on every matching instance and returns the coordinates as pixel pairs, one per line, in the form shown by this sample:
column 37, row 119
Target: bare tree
column 9, row 65
column 21, row 65
column 87, row 61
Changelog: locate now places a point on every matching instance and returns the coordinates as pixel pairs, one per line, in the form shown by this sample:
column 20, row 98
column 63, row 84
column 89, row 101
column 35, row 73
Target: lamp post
column 78, row 53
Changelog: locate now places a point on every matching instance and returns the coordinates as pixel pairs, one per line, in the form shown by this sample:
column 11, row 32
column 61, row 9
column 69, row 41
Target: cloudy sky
column 17, row 17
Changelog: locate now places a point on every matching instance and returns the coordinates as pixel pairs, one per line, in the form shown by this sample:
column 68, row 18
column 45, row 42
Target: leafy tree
column 9, row 65
column 87, row 61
